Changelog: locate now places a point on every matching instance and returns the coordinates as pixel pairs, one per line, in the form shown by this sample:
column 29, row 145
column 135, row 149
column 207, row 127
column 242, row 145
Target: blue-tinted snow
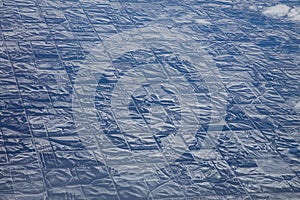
column 152, row 99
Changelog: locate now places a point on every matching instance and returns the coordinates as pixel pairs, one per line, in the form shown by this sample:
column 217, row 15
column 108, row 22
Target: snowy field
column 149, row 99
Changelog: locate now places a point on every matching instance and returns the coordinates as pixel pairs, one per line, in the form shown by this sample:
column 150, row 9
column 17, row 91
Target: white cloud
column 283, row 11
column 294, row 14
column 202, row 21
column 277, row 11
